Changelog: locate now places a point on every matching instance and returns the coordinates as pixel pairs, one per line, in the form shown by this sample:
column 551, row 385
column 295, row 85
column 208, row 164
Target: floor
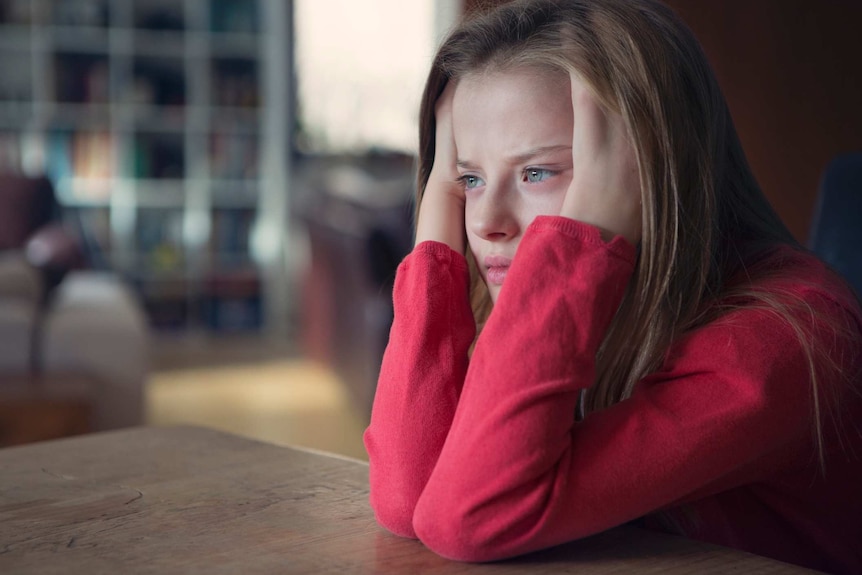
column 254, row 388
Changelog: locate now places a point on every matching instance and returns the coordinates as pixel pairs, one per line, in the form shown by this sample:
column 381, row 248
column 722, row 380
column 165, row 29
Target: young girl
column 652, row 343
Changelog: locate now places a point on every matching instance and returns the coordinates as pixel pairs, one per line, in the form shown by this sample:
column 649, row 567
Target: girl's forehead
column 511, row 85
column 510, row 114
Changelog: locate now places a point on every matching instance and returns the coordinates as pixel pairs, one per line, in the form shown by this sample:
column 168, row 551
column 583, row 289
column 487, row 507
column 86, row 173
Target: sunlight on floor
column 287, row 402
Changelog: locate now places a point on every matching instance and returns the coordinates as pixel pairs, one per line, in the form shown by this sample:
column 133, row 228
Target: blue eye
column 471, row 182
column 536, row 175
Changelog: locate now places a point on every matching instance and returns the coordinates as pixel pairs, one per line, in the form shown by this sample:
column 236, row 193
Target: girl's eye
column 471, row 182
column 536, row 175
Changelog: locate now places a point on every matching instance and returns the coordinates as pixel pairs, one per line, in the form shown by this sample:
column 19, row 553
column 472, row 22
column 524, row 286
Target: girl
column 652, row 345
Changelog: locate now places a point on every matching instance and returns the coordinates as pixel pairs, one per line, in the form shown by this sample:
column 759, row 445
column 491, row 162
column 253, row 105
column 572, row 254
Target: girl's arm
column 441, row 213
column 605, row 190
column 420, row 381
column 425, row 361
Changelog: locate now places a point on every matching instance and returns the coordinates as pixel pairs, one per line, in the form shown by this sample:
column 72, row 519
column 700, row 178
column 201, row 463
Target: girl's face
column 513, row 134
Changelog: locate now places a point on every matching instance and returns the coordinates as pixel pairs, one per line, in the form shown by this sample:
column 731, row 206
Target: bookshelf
column 165, row 126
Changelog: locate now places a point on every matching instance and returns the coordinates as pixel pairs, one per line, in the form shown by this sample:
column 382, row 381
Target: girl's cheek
column 549, row 204
column 469, row 220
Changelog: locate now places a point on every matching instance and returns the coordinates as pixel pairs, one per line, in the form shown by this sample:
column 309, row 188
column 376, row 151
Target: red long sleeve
column 487, row 462
column 424, row 368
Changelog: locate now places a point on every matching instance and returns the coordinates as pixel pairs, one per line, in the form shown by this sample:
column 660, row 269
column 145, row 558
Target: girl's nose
column 493, row 217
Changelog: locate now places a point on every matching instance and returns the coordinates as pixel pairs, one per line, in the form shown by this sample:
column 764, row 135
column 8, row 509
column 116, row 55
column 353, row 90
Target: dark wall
column 791, row 71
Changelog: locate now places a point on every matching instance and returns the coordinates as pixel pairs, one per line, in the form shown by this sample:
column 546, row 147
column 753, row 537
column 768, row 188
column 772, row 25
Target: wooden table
column 192, row 500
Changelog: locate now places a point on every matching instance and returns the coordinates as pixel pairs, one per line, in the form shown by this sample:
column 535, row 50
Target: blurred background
column 203, row 202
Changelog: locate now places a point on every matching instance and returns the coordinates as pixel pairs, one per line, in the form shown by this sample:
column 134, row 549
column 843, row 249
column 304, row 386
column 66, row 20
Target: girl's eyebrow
column 521, row 158
column 465, row 165
column 540, row 151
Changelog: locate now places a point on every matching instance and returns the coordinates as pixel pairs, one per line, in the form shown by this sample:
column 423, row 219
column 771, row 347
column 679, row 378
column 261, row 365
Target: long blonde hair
column 705, row 218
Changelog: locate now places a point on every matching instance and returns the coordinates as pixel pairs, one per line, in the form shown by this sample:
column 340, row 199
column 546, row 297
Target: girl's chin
column 493, row 290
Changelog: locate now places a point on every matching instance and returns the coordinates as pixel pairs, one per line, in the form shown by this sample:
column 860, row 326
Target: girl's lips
column 497, row 274
column 498, row 267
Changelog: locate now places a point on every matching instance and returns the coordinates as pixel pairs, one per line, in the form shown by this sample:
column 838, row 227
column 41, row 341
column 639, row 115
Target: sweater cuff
column 618, row 246
column 443, row 254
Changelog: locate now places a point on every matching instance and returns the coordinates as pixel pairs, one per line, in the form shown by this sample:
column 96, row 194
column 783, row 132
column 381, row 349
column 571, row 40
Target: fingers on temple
column 591, row 124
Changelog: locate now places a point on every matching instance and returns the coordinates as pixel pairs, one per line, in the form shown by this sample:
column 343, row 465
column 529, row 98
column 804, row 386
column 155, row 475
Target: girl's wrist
column 441, row 219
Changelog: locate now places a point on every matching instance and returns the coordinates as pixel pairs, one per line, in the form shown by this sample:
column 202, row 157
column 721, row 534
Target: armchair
column 59, row 321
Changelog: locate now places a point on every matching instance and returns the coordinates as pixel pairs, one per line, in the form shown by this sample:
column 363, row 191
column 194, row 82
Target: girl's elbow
column 455, row 535
column 393, row 514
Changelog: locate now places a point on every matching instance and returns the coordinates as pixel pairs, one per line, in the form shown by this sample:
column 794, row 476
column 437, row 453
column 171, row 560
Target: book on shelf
column 80, row 13
column 160, row 17
column 158, row 82
column 158, row 156
column 235, row 83
column 233, row 156
column 81, row 164
column 234, row 16
column 81, row 78
column 92, row 155
column 159, row 237
column 231, row 299
column 231, row 233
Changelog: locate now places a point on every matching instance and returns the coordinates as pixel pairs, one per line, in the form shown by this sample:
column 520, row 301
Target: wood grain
column 192, row 500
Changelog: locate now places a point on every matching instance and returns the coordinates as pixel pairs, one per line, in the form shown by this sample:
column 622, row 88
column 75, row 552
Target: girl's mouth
column 496, row 274
column 498, row 267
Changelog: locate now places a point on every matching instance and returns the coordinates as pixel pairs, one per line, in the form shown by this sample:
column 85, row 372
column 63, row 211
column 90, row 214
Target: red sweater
column 483, row 459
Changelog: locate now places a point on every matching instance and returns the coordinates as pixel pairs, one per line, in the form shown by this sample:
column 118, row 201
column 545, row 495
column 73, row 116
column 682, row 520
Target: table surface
column 194, row 500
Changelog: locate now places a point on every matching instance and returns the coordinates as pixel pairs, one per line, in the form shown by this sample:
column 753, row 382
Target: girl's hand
column 605, row 190
column 441, row 213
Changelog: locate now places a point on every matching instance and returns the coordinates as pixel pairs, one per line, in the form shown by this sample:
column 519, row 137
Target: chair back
column 836, row 233
column 26, row 204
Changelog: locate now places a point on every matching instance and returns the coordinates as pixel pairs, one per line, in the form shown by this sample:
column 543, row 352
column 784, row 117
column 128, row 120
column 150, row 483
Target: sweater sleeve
column 420, row 380
column 517, row 473
column 503, row 472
